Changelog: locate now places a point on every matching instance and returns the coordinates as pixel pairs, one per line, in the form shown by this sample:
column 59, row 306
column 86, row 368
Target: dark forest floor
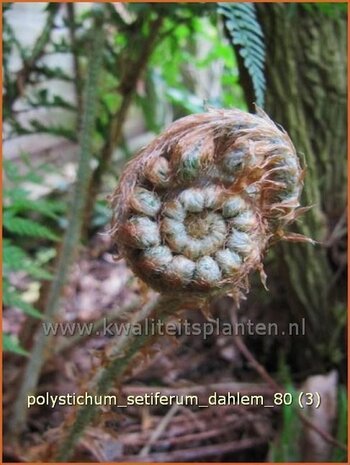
column 174, row 365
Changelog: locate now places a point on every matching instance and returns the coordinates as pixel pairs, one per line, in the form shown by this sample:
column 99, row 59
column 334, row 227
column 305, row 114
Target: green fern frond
column 42, row 98
column 15, row 259
column 12, row 174
column 11, row 298
column 12, row 256
column 26, row 227
column 245, row 32
column 49, row 208
column 53, row 72
column 17, row 203
column 11, row 344
column 58, row 130
column 36, row 271
column 37, row 127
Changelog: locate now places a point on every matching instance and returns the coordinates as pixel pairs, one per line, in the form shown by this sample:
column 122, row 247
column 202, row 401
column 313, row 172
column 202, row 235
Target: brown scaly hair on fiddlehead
column 195, row 211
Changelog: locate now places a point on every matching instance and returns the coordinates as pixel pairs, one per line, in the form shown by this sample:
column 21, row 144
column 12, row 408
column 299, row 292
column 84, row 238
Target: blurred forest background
column 84, row 87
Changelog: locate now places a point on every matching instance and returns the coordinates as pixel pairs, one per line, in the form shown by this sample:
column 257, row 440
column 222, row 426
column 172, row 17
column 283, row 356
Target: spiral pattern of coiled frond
column 196, row 209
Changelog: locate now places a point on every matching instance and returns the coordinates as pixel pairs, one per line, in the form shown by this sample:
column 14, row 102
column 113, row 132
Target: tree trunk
column 306, row 93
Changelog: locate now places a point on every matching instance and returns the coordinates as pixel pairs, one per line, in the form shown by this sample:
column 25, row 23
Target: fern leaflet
column 12, row 299
column 245, row 32
column 10, row 344
column 26, row 227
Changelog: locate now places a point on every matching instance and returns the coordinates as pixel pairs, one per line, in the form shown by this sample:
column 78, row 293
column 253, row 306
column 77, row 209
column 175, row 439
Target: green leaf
column 58, row 130
column 42, row 99
column 12, row 256
column 12, row 299
column 48, row 208
column 36, row 272
column 53, row 72
column 10, row 344
column 245, row 32
column 15, row 259
column 13, row 175
column 26, row 227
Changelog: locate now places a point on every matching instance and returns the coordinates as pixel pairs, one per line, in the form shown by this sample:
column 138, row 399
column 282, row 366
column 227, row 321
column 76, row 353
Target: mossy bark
column 306, row 93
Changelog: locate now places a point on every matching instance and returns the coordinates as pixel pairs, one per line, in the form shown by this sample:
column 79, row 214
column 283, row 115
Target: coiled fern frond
column 197, row 208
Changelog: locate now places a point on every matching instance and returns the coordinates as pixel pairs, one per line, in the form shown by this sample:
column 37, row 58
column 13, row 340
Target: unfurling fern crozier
column 195, row 211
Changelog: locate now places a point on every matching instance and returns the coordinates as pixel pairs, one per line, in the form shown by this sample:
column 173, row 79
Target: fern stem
column 76, row 62
column 71, row 239
column 112, row 316
column 129, row 346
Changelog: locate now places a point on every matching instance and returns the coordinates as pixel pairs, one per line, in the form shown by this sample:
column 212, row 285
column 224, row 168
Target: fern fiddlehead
column 197, row 208
column 194, row 213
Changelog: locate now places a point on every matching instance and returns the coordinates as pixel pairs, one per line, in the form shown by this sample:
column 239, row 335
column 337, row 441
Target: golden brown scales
column 196, row 210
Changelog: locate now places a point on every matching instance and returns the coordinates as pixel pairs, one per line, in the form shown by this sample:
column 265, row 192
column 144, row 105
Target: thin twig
column 192, row 455
column 159, row 430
